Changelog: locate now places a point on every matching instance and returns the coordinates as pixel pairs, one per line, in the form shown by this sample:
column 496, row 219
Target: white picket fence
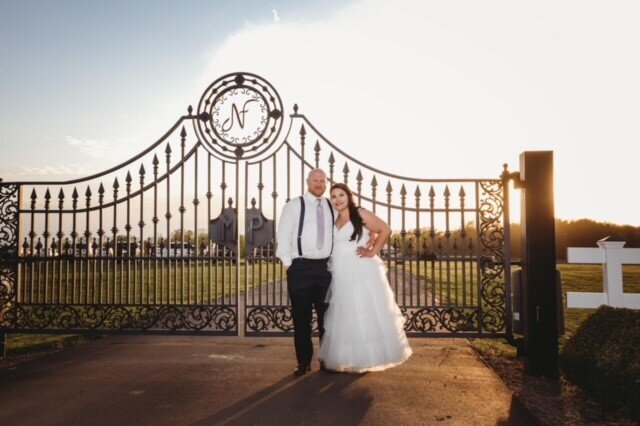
column 611, row 254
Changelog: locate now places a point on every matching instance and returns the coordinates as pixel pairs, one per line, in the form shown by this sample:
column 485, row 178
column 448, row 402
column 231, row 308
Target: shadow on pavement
column 317, row 398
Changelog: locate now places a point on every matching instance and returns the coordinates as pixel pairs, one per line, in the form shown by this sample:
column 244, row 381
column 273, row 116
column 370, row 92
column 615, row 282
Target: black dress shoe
column 301, row 369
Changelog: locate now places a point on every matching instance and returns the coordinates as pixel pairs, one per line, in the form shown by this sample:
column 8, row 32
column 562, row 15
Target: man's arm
column 284, row 231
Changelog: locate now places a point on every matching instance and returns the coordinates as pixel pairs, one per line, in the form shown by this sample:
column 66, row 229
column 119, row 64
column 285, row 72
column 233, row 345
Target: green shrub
column 603, row 358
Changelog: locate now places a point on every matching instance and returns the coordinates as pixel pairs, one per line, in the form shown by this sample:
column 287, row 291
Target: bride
column 363, row 324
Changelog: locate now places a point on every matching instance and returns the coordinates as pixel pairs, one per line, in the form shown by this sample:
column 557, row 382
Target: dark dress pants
column 308, row 281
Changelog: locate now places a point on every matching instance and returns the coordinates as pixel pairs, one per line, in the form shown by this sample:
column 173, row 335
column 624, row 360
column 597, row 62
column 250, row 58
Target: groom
column 305, row 242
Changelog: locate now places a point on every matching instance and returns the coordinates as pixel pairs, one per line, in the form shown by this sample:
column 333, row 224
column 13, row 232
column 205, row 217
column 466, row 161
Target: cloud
column 15, row 172
column 90, row 147
column 276, row 18
column 383, row 75
column 100, row 148
column 453, row 90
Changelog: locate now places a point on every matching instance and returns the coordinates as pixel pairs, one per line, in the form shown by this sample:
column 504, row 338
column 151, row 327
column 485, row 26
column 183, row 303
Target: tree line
column 581, row 233
column 569, row 233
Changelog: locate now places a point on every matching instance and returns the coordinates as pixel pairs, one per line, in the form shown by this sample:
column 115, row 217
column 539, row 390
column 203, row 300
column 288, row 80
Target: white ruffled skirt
column 364, row 328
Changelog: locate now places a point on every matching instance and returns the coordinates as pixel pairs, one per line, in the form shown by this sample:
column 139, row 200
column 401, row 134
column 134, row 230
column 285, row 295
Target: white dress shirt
column 287, row 232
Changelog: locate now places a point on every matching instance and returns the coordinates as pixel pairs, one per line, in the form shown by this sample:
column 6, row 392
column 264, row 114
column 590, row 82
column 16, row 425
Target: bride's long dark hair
column 354, row 216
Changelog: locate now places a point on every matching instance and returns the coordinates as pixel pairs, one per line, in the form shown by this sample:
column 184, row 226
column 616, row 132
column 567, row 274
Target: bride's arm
column 375, row 225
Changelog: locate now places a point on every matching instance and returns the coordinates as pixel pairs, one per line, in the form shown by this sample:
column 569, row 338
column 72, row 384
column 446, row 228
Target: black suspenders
column 301, row 224
column 333, row 220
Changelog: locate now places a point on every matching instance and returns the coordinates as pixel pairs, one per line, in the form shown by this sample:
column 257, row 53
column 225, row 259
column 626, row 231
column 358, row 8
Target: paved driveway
column 227, row 380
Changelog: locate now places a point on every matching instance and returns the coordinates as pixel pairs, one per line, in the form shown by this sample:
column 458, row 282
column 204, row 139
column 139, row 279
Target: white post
column 611, row 255
column 612, row 271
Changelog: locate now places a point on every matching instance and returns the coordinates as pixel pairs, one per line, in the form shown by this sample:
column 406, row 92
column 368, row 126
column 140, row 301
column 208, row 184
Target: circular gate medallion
column 239, row 115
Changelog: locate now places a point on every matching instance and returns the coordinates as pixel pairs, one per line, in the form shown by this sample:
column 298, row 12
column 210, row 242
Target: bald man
column 305, row 242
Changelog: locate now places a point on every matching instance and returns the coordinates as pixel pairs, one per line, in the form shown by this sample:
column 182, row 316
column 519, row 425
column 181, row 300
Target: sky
column 425, row 89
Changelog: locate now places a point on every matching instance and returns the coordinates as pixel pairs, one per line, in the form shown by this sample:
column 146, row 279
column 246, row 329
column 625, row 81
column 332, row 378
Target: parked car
column 176, row 249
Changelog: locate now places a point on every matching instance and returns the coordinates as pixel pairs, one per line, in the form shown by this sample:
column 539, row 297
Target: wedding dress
column 364, row 328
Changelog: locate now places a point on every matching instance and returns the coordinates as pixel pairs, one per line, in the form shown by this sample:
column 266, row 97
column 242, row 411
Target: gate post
column 540, row 327
column 241, row 288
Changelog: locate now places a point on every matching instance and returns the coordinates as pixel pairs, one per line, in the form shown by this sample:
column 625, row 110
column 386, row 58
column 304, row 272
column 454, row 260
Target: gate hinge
column 514, row 176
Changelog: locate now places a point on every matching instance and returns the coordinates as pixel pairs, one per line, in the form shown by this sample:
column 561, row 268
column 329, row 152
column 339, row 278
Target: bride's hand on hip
column 379, row 234
column 365, row 251
column 372, row 240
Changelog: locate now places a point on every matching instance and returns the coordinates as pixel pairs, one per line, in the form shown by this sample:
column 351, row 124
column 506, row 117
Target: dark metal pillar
column 539, row 264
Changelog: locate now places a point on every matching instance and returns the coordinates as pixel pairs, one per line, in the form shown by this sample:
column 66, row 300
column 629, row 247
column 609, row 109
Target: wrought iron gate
column 155, row 244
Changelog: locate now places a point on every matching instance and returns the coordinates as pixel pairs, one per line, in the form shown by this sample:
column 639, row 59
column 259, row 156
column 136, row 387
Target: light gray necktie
column 320, row 224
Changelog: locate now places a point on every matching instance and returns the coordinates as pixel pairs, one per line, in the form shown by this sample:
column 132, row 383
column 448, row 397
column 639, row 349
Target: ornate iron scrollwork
column 83, row 269
column 8, row 222
column 240, row 115
column 9, row 205
column 492, row 240
column 204, row 318
column 440, row 319
column 270, row 319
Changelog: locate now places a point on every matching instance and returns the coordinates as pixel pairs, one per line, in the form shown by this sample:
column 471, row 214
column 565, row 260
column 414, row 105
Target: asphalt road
column 228, row 380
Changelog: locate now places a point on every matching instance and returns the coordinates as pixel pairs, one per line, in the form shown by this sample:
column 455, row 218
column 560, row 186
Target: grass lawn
column 574, row 278
column 21, row 344
column 558, row 401
column 211, row 285
column 167, row 281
